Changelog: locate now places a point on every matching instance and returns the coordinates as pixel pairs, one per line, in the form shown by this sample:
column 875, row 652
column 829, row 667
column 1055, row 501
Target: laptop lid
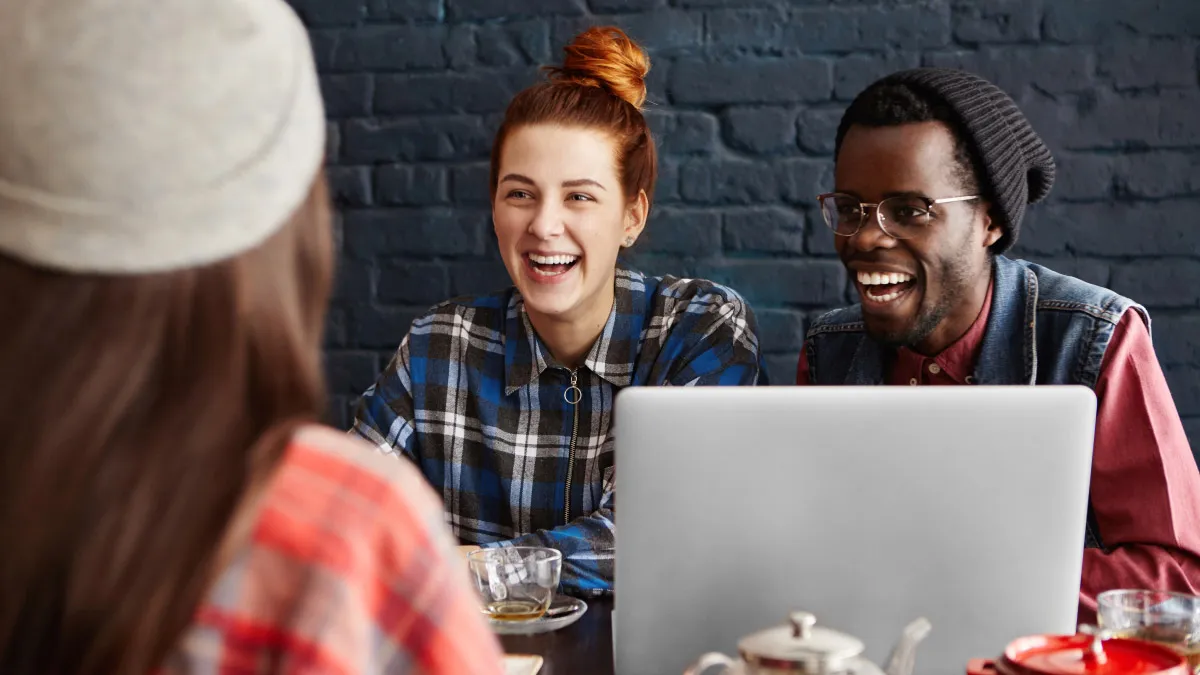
column 868, row 506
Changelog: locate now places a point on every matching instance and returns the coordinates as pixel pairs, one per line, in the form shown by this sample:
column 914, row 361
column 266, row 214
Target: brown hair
column 139, row 416
column 600, row 85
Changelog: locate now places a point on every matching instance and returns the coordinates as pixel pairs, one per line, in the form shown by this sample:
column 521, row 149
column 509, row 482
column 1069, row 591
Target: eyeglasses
column 901, row 217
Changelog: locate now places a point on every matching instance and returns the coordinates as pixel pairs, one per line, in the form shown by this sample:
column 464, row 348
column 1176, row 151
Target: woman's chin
column 550, row 302
column 567, row 299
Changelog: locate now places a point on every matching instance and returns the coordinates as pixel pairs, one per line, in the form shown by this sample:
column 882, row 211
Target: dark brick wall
column 745, row 96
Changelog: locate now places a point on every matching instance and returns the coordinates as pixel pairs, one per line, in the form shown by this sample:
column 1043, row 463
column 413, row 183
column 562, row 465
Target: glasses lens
column 904, row 217
column 842, row 213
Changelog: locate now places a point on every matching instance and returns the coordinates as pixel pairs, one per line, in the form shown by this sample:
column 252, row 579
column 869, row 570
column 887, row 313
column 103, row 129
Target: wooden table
column 583, row 648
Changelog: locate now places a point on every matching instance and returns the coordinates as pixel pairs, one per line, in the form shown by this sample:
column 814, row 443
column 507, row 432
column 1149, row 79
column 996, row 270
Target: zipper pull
column 573, row 393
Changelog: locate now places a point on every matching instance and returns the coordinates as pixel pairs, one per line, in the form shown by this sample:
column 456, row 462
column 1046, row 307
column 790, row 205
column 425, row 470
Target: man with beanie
column 934, row 168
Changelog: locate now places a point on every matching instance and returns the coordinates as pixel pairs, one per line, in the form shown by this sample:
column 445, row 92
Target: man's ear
column 994, row 230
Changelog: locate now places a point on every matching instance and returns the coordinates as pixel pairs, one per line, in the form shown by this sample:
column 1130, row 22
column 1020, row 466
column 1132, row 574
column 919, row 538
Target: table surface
column 583, row 648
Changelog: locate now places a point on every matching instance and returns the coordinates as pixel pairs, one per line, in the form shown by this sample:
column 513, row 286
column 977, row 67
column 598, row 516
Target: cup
column 1170, row 619
column 516, row 583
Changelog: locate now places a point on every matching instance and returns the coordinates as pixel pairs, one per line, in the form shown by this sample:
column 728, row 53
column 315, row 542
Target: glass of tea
column 516, row 583
column 1170, row 619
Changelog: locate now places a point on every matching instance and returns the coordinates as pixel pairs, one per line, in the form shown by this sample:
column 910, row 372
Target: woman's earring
column 628, row 242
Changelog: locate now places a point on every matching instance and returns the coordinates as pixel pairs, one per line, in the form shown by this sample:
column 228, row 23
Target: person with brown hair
column 505, row 401
column 167, row 503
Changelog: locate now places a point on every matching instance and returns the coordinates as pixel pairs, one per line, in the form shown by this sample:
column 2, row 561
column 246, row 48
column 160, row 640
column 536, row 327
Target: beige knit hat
column 150, row 135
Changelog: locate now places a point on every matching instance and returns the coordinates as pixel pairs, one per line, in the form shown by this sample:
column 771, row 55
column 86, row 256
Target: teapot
column 800, row 647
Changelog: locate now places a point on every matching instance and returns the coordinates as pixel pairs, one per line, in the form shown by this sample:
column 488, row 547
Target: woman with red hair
column 505, row 400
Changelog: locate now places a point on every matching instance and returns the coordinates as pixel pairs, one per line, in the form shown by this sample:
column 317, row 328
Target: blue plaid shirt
column 477, row 401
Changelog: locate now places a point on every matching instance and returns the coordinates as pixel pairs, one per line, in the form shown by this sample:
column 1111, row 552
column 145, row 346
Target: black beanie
column 1018, row 167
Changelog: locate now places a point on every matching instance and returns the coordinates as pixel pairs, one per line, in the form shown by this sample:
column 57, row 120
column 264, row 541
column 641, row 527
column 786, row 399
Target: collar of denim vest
column 1008, row 354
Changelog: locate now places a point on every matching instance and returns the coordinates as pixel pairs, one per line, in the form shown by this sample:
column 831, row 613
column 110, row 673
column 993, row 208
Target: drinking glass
column 516, row 583
column 1170, row 619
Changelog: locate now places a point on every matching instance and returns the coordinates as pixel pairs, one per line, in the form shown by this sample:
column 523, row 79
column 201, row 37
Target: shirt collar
column 958, row 359
column 613, row 355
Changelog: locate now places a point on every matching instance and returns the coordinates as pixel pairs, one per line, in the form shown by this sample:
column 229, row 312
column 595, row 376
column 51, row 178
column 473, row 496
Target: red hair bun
column 605, row 57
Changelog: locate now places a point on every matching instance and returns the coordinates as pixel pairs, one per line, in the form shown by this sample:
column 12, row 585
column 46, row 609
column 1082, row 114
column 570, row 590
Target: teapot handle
column 708, row 661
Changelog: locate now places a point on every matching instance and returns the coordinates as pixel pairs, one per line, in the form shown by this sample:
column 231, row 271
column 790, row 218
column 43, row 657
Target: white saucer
column 545, row 624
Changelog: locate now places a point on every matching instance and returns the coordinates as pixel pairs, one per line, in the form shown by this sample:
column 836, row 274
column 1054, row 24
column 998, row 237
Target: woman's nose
column 547, row 222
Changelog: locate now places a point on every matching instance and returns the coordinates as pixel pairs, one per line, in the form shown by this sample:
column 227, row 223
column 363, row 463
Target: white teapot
column 800, row 647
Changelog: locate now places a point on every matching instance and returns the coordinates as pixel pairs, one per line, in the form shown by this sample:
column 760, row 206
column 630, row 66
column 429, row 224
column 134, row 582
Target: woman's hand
column 465, row 550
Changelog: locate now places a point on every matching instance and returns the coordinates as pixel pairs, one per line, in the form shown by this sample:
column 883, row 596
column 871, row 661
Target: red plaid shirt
column 349, row 570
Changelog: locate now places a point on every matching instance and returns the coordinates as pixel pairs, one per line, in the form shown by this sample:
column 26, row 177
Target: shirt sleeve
column 710, row 344
column 426, row 605
column 714, row 342
column 1145, row 488
column 587, row 544
column 385, row 413
column 350, row 568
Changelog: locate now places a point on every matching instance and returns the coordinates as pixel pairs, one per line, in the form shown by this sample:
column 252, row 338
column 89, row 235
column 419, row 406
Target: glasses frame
column 863, row 206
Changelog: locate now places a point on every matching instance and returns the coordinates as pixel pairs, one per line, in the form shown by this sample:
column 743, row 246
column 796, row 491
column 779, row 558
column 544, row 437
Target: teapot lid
column 800, row 645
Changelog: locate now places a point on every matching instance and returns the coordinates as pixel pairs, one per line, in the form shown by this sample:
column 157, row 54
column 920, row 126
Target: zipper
column 572, row 395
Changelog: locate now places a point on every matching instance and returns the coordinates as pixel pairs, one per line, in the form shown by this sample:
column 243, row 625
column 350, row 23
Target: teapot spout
column 904, row 655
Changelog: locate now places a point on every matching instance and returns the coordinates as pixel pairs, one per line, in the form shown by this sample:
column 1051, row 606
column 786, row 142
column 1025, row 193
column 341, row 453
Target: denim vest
column 1043, row 328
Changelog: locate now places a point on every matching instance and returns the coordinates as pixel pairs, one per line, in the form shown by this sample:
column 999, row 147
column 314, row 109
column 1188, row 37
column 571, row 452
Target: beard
column 922, row 327
column 956, row 280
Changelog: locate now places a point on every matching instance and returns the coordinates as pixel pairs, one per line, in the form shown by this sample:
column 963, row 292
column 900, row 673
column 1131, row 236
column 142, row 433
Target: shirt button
column 934, row 368
column 913, row 381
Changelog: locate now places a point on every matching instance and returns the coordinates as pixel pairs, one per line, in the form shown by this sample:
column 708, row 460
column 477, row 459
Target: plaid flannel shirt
column 349, row 569
column 478, row 402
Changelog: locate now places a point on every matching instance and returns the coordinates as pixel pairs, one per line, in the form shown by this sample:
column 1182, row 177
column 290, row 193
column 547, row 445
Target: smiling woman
column 505, row 400
column 560, row 238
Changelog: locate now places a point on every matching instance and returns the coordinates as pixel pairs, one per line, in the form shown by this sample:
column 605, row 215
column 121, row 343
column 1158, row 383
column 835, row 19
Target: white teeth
column 869, row 279
column 560, row 264
column 553, row 259
column 875, row 278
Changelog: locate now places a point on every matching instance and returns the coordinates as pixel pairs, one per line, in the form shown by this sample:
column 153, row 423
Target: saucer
column 546, row 623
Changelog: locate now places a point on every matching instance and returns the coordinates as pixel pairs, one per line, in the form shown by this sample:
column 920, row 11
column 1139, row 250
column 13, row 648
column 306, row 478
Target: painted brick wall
column 745, row 96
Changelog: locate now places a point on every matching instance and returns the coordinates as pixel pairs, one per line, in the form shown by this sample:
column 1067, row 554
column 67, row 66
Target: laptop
column 866, row 506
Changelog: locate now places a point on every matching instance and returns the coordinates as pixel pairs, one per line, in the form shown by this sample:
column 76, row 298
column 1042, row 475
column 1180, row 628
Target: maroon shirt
column 1145, row 489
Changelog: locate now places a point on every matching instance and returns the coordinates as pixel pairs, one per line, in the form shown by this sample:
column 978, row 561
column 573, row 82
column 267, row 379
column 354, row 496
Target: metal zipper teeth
column 571, row 453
